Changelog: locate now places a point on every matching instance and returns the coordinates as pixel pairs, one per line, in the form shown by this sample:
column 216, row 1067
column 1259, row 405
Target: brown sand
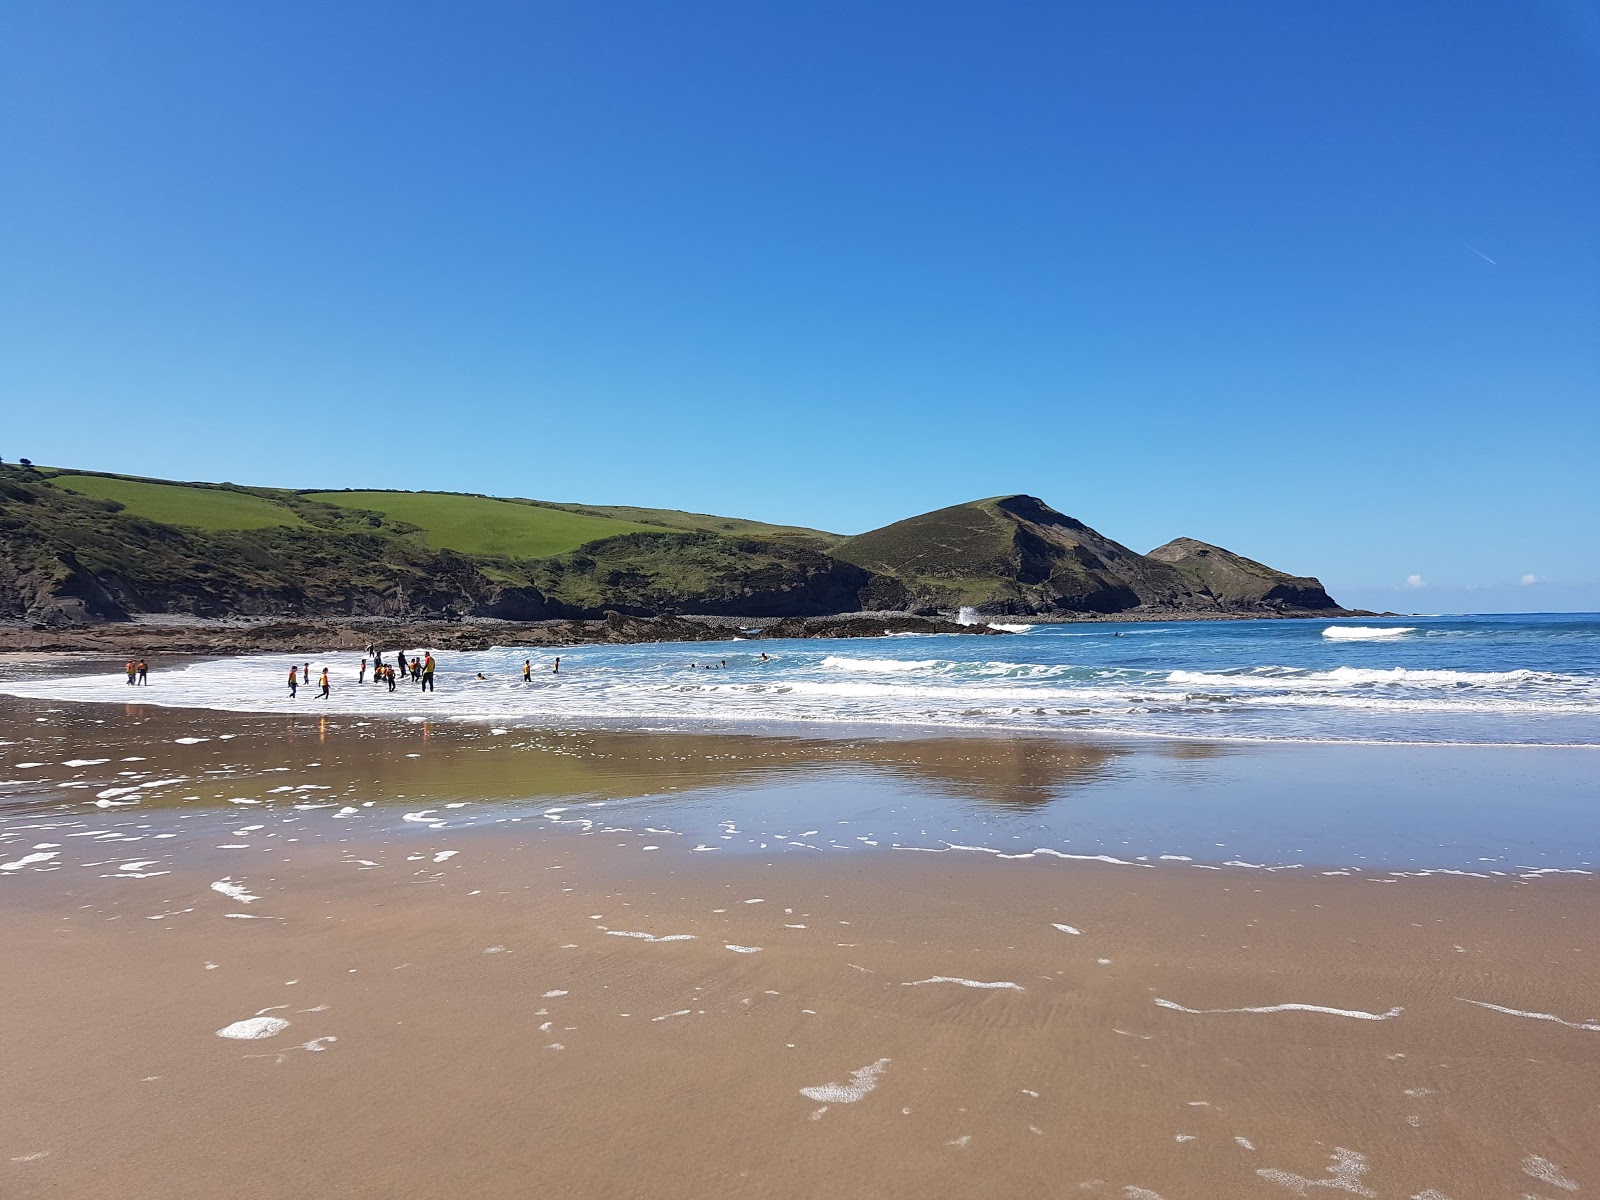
column 497, row 1037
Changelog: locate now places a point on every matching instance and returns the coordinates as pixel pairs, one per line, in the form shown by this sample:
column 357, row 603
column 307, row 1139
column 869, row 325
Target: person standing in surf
column 133, row 669
column 324, row 683
column 527, row 670
column 557, row 668
column 427, row 672
column 144, row 673
column 362, row 678
column 294, row 682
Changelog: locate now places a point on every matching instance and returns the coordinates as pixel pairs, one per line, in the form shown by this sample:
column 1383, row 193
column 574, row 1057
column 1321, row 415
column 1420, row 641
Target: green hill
column 1241, row 584
column 481, row 526
column 705, row 523
column 1016, row 554
column 203, row 506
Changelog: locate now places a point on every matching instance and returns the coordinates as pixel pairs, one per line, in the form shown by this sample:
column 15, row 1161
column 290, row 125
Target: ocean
column 1475, row 680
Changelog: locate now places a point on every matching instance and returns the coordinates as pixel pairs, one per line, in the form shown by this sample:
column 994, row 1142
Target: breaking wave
column 1366, row 633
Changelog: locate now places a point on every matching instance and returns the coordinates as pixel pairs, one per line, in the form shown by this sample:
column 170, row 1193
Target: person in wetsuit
column 144, row 673
column 527, row 670
column 427, row 672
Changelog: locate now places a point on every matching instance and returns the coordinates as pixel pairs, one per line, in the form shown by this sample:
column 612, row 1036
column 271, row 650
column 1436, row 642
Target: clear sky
column 1320, row 283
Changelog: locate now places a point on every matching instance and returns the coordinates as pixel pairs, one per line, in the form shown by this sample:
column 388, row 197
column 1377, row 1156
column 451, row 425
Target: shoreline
column 295, row 635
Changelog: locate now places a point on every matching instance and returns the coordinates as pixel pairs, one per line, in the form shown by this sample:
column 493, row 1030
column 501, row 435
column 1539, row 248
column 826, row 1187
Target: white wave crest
column 1366, row 633
column 886, row 666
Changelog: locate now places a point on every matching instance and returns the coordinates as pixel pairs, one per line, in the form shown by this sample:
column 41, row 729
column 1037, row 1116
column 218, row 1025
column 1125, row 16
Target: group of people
column 296, row 678
column 527, row 669
column 418, row 670
column 138, row 673
column 720, row 665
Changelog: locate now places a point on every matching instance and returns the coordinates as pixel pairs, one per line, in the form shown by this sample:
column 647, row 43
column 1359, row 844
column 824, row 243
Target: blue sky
column 1320, row 283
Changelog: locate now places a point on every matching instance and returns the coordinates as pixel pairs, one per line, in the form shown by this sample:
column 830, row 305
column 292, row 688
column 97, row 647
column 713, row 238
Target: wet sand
column 543, row 992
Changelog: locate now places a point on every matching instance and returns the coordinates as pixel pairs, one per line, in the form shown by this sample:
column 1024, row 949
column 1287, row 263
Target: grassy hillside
column 480, row 526
column 706, row 523
column 195, row 506
column 78, row 546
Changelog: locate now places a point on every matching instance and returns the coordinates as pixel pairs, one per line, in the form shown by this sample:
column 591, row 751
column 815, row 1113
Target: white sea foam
column 1344, row 1175
column 971, row 983
column 1545, row 1171
column 1591, row 1026
column 743, row 949
column 650, row 937
column 234, row 891
column 862, row 1082
column 1365, row 633
column 254, row 1028
column 1066, row 928
column 1355, row 1013
column 27, row 860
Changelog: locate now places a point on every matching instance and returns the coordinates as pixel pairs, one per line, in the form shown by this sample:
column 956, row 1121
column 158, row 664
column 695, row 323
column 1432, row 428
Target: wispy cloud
column 1415, row 581
column 1529, row 580
column 1482, row 255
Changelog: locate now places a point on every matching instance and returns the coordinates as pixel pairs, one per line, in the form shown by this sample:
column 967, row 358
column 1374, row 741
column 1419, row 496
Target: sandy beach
column 348, row 957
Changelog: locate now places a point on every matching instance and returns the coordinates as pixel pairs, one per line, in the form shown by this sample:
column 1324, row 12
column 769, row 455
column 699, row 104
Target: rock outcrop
column 1017, row 555
column 1239, row 584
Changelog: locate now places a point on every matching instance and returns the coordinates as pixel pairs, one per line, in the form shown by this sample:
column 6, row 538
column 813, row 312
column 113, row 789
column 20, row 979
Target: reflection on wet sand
column 468, row 761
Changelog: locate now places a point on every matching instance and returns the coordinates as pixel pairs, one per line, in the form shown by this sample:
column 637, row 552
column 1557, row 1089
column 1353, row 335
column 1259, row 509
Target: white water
column 1471, row 681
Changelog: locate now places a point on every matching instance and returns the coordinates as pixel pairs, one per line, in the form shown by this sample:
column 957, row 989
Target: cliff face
column 1017, row 555
column 1240, row 584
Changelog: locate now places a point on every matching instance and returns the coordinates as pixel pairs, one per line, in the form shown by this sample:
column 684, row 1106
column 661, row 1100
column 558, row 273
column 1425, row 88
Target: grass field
column 477, row 525
column 180, row 504
column 706, row 523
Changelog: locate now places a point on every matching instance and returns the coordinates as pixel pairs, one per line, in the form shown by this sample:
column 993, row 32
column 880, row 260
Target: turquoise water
column 1488, row 680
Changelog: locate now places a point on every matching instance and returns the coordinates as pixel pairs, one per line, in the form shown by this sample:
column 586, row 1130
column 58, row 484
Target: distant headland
column 80, row 549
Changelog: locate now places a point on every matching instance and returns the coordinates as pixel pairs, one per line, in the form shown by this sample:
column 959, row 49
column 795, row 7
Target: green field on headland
column 199, row 506
column 478, row 525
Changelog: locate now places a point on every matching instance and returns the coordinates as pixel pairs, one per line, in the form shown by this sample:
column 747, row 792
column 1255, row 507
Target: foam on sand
column 1546, row 1171
column 1343, row 1175
column 1591, row 1026
column 1354, row 1013
column 650, row 937
column 971, row 983
column 862, row 1081
column 254, row 1028
column 234, row 891
column 29, row 859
